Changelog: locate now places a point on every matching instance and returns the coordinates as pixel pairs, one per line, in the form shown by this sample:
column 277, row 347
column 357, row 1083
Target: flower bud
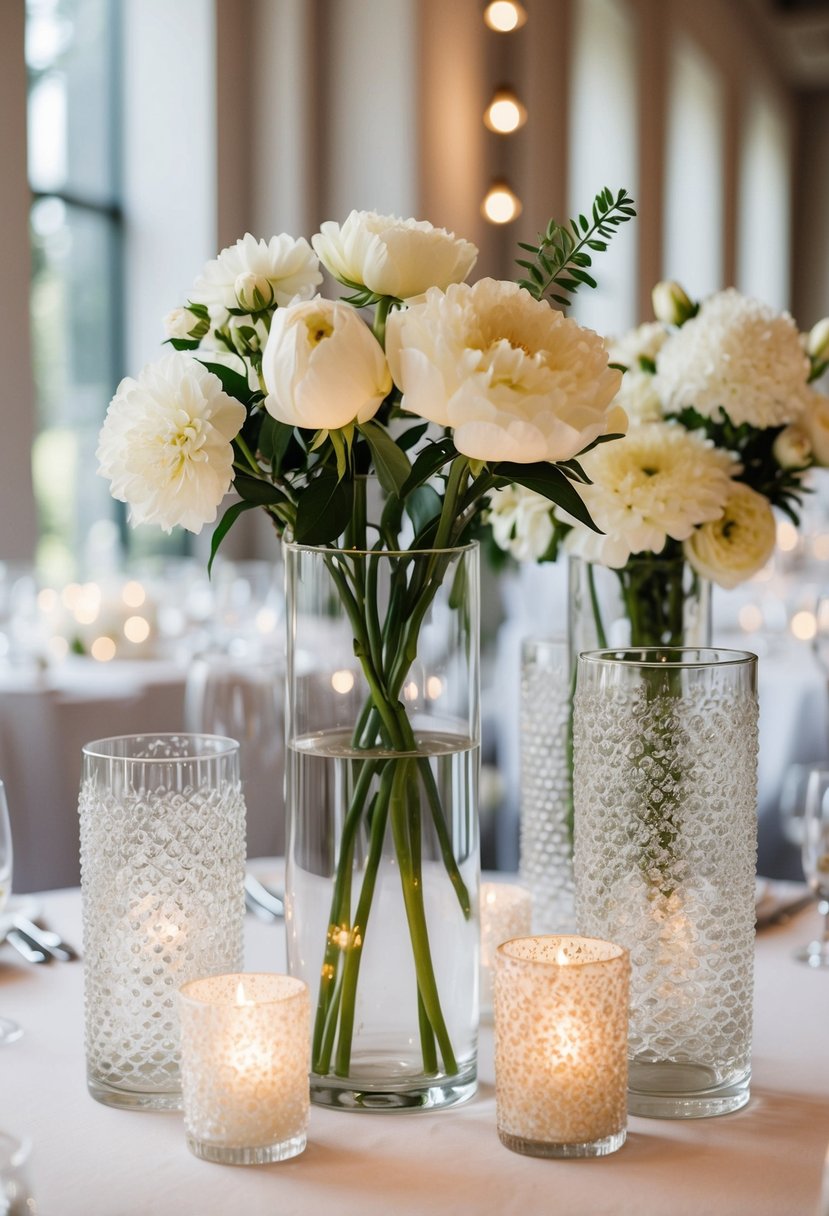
column 183, row 324
column 254, row 292
column 671, row 304
column 817, row 343
column 792, row 448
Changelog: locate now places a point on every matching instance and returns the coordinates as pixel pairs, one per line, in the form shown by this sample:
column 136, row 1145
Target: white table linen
column 89, row 1160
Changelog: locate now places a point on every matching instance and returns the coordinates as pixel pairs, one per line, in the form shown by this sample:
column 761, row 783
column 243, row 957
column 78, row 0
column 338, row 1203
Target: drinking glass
column 9, row 1030
column 816, row 860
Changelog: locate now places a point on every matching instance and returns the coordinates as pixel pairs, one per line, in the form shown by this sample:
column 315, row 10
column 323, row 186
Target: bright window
column 763, row 267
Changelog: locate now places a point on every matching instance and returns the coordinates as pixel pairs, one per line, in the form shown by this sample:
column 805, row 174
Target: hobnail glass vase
column 162, row 881
column 382, row 848
column 546, row 814
column 665, row 783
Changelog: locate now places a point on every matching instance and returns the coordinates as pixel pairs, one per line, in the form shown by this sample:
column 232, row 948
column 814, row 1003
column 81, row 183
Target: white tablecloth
column 89, row 1160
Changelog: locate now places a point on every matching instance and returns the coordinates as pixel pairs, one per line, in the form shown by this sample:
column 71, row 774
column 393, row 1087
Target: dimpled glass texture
column 561, row 1046
column 546, row 847
column 162, row 874
column 245, row 1056
column 665, row 784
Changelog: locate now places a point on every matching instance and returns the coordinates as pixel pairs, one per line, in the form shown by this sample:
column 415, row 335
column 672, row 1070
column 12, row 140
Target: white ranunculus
column 792, row 449
column 817, row 343
column 815, row 422
column 671, row 303
column 322, row 366
column 657, row 483
column 514, row 378
column 165, row 445
column 521, row 522
column 732, row 548
column 287, row 267
column 393, row 257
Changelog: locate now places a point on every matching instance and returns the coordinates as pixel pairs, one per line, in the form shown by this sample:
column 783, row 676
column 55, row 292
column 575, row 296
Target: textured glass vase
column 162, row 878
column 650, row 601
column 665, row 782
column 382, row 858
column 546, row 816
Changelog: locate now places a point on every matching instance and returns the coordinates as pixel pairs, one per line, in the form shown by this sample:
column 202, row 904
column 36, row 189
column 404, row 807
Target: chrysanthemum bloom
column 521, row 522
column 736, row 356
column 165, row 445
column 514, row 378
column 393, row 257
column 738, row 544
column 659, row 482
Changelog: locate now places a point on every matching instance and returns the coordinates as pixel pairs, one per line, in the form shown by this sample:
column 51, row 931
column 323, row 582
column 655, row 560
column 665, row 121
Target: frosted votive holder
column 245, row 1058
column 506, row 912
column 561, row 1027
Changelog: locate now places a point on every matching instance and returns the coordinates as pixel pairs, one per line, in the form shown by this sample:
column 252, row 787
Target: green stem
column 427, row 1034
column 248, row 455
column 601, row 637
column 381, row 312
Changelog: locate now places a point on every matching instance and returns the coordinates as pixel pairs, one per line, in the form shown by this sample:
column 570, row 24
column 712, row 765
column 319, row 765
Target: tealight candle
column 561, row 1029
column 244, row 1067
column 506, row 911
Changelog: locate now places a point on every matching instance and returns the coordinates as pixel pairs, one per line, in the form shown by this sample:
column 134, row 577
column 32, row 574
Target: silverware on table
column 46, row 939
column 261, row 901
column 783, row 913
column 27, row 947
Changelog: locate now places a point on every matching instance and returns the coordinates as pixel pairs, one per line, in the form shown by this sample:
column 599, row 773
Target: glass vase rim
column 636, row 559
column 96, row 748
column 616, row 953
column 297, row 991
column 294, row 547
column 626, row 656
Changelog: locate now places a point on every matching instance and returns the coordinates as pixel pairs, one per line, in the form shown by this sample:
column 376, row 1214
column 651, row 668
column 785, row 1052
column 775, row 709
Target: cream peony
column 322, row 366
column 281, row 270
column 737, row 356
column 393, row 257
column 815, row 422
column 521, row 522
column 165, row 445
column 659, row 482
column 515, row 379
column 738, row 544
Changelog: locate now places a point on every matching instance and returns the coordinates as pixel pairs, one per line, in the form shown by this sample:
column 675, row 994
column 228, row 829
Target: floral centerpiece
column 296, row 402
column 724, row 427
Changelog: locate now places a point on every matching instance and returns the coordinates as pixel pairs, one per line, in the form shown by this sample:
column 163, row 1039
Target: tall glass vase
column 665, row 783
column 382, row 850
column 650, row 601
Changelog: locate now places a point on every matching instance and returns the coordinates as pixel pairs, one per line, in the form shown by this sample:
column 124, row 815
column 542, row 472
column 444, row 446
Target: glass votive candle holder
column 245, row 1057
column 506, row 912
column 561, row 1030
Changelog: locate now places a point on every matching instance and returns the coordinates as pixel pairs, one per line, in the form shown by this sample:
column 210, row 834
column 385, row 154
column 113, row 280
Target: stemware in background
column 9, row 1030
column 241, row 696
column 15, row 1193
column 816, row 860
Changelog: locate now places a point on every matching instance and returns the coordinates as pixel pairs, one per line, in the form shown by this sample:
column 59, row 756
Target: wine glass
column 816, row 860
column 9, row 1030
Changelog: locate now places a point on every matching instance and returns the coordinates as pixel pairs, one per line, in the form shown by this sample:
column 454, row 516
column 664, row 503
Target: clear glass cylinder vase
column 665, row 784
column 382, row 863
column 650, row 601
column 546, row 809
column 162, row 881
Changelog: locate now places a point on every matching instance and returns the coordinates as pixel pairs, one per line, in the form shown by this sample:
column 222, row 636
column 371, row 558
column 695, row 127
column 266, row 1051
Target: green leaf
column 233, row 382
column 340, row 451
column 601, row 439
column 574, row 471
column 274, row 438
column 259, row 493
column 391, row 463
column 183, row 343
column 548, row 480
column 324, row 510
column 422, row 506
column 409, row 438
column 223, row 527
column 429, row 462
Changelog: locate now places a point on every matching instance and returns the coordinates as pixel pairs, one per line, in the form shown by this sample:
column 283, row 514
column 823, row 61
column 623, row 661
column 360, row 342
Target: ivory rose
column 393, row 257
column 165, row 445
column 738, row 544
column 514, row 378
column 322, row 366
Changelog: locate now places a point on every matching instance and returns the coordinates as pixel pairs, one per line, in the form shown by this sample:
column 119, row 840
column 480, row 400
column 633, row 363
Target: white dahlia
column 165, row 445
column 521, row 522
column 514, row 378
column 732, row 548
column 659, row 482
column 737, row 357
column 253, row 274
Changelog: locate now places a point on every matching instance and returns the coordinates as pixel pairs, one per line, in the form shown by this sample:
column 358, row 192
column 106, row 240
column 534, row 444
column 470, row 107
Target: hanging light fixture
column 504, row 16
column 501, row 204
column 505, row 113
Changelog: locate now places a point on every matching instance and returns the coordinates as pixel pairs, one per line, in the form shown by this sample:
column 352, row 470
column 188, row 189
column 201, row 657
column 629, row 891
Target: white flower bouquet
column 293, row 401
